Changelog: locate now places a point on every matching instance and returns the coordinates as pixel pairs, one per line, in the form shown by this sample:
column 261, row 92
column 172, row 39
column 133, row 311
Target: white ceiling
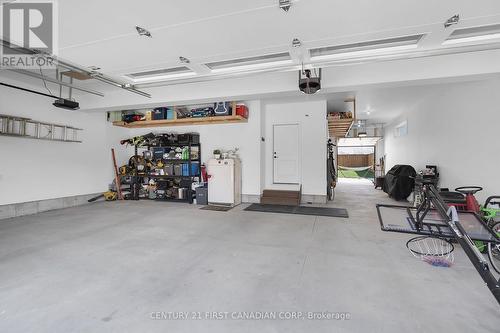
column 102, row 33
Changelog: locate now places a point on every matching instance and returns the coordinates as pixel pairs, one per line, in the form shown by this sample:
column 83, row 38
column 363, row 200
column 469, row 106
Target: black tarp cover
column 400, row 181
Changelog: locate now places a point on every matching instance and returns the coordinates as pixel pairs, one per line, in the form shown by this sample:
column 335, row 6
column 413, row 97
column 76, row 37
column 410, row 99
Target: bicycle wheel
column 494, row 250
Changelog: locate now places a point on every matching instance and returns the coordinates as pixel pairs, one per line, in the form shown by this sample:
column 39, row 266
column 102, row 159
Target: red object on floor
column 204, row 175
column 242, row 110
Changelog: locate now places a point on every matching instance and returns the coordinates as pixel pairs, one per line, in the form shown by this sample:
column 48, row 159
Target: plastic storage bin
column 195, row 169
column 201, row 196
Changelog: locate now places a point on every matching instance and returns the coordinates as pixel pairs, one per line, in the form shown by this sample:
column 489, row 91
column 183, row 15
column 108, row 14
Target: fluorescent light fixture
column 163, row 77
column 369, row 52
column 243, row 68
column 472, row 39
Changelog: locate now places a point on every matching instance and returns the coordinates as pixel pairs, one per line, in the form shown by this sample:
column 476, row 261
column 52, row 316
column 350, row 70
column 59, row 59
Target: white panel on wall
column 311, row 115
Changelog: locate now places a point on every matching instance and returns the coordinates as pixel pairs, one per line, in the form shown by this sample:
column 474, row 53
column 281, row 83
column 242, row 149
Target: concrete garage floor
column 107, row 267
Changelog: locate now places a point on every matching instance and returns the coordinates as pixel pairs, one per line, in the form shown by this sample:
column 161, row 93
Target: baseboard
column 250, row 198
column 314, row 199
column 35, row 207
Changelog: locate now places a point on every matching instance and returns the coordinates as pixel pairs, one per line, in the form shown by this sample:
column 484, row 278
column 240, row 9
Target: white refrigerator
column 224, row 182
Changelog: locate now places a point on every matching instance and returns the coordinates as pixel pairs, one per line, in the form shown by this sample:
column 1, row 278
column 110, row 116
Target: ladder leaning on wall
column 31, row 129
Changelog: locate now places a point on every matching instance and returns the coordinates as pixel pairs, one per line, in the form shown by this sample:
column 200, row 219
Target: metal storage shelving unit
column 188, row 179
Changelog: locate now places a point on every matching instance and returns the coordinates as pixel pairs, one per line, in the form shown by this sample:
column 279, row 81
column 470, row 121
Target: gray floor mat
column 316, row 211
column 217, row 208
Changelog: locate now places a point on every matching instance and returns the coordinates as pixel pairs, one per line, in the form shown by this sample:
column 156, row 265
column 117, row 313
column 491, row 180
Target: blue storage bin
column 195, row 169
column 170, row 113
column 185, row 169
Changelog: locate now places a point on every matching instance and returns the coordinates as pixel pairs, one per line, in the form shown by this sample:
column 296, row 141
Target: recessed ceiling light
column 143, row 32
column 452, row 21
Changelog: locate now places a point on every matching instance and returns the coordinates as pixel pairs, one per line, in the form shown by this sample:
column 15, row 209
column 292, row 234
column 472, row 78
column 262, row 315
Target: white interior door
column 286, row 154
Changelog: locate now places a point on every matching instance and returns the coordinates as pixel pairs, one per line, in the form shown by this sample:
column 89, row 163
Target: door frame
column 374, row 158
column 299, row 151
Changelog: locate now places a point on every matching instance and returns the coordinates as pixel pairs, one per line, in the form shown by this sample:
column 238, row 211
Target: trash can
column 202, row 196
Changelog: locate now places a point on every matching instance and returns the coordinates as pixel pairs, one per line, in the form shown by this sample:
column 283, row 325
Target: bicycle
column 331, row 173
column 490, row 215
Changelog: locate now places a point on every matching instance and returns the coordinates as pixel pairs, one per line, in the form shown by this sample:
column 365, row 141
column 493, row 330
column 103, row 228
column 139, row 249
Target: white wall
column 311, row 116
column 33, row 170
column 454, row 126
column 245, row 136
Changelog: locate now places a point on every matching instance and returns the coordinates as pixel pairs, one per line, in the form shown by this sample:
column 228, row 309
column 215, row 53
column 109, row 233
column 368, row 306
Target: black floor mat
column 217, row 208
column 317, row 211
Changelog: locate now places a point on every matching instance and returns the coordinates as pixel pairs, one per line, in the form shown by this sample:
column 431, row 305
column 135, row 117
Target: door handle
column 275, row 156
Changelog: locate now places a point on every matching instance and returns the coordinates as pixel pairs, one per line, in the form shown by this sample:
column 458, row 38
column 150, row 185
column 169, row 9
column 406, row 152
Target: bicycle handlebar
column 488, row 200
